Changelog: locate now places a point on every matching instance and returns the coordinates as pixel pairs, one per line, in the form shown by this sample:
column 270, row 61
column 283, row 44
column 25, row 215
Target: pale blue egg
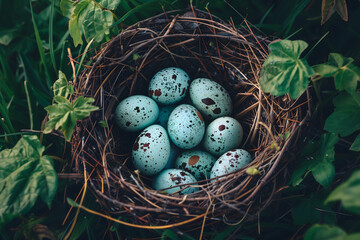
column 169, row 85
column 210, row 98
column 230, row 161
column 196, row 162
column 222, row 135
column 151, row 150
column 186, row 126
column 136, row 113
column 172, row 178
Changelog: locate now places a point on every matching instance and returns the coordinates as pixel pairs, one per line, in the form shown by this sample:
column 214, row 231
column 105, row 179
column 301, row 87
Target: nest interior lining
column 203, row 46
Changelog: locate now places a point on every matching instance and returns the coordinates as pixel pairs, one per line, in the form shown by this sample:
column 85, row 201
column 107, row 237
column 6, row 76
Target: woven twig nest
column 203, row 46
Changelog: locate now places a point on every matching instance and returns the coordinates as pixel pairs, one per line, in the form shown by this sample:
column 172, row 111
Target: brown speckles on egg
column 193, row 160
column 221, row 127
column 200, row 116
column 207, row 101
column 157, row 92
column 217, row 111
column 169, row 85
column 127, row 123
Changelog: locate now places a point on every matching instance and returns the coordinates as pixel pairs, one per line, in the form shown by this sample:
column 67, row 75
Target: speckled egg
column 169, row 85
column 186, row 126
column 151, row 150
column 230, row 161
column 210, row 98
column 196, row 162
column 222, row 135
column 173, row 177
column 164, row 115
column 136, row 113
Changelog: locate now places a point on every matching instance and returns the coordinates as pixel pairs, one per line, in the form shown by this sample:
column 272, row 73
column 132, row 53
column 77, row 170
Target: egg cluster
column 183, row 139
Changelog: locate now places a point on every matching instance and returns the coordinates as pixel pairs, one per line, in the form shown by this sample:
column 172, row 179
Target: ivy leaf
column 346, row 117
column 89, row 18
column 348, row 193
column 317, row 158
column 330, row 6
column 324, row 232
column 67, row 8
column 61, row 86
column 25, row 175
column 348, row 74
column 356, row 144
column 325, row 70
column 283, row 71
column 64, row 114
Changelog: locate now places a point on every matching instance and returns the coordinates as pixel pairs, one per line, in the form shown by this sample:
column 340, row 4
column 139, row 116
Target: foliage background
column 34, row 43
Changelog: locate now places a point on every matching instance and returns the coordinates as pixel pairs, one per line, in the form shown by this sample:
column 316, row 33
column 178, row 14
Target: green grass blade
column 83, row 56
column 40, row 48
column 62, row 41
column 317, row 43
column 51, row 28
column 29, row 105
column 294, row 33
column 266, row 14
column 290, row 20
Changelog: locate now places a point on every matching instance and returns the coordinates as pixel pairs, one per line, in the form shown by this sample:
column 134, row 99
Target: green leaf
column 324, row 232
column 64, row 114
column 283, row 71
column 317, row 158
column 348, row 193
column 346, row 118
column 348, row 74
column 74, row 25
column 90, row 18
column 25, row 175
column 356, row 144
column 325, row 70
column 61, row 86
column 67, row 8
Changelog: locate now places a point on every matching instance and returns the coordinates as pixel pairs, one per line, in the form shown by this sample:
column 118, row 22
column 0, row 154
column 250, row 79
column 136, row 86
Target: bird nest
column 203, row 46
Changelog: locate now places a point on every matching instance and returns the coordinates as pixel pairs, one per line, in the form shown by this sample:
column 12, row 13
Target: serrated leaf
column 67, row 8
column 64, row 114
column 317, row 158
column 346, row 117
column 283, row 71
column 61, row 86
column 25, row 175
column 324, row 232
column 356, row 144
column 348, row 193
